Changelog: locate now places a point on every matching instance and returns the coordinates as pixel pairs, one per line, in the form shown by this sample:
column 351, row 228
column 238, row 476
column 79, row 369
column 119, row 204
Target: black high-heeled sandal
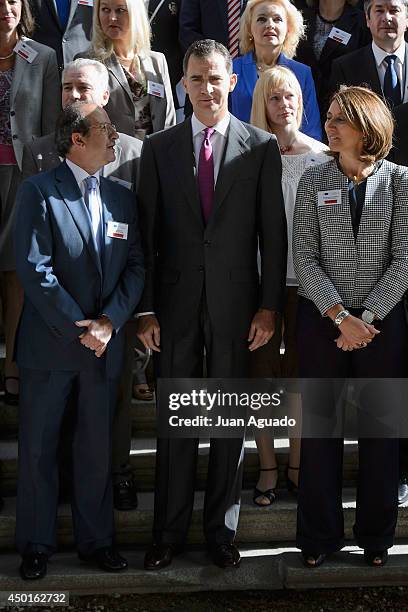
column 290, row 485
column 11, row 399
column 270, row 494
column 376, row 558
column 313, row 559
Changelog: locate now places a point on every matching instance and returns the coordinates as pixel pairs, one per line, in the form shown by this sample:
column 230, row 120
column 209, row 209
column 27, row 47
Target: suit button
column 201, row 268
column 207, row 242
column 12, row 113
column 15, row 137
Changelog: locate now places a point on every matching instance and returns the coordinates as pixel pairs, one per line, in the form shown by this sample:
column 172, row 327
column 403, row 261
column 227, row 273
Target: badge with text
column 24, row 50
column 119, row 181
column 85, row 3
column 117, row 230
column 328, row 198
column 339, row 36
column 155, row 89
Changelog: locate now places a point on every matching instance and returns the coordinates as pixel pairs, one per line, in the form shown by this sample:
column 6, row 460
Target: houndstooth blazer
column 331, row 266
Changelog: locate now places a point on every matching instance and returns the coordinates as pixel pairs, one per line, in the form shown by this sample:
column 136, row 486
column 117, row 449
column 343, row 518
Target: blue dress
column 241, row 97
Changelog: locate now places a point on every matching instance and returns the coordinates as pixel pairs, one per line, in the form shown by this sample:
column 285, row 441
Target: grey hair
column 100, row 70
column 368, row 3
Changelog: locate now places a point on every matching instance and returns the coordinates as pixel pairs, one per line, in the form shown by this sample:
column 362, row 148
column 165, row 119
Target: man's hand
column 98, row 334
column 148, row 332
column 262, row 328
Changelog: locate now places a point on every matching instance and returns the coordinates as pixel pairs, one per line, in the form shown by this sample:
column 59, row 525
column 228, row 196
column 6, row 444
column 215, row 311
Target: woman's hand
column 354, row 333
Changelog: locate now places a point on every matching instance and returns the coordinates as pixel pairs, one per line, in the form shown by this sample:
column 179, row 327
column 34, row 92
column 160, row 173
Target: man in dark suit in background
column 399, row 152
column 63, row 25
column 86, row 80
column 79, row 261
column 382, row 65
column 209, row 189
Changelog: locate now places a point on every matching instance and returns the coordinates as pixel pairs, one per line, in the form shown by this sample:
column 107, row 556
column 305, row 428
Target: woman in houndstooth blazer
column 350, row 245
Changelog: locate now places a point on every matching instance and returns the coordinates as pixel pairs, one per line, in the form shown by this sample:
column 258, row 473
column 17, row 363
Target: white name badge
column 155, row 89
column 126, row 184
column 329, row 198
column 25, row 51
column 117, row 230
column 339, row 36
column 85, row 3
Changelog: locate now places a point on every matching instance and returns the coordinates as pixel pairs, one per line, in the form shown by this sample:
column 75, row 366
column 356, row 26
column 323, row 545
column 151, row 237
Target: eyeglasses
column 108, row 128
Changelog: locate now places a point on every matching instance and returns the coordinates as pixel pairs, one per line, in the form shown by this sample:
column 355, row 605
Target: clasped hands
column 355, row 334
column 261, row 330
column 98, row 333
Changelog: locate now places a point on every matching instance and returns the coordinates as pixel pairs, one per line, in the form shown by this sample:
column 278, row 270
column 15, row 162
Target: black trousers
column 320, row 527
column 43, row 402
column 176, row 459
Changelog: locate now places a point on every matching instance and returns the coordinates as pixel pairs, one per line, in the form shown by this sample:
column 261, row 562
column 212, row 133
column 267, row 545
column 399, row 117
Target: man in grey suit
column 64, row 25
column 86, row 80
column 209, row 192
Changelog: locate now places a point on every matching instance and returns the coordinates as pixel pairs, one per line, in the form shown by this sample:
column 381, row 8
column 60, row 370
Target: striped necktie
column 234, row 11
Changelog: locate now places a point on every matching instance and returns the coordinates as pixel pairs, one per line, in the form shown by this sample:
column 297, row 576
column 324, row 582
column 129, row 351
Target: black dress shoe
column 125, row 495
column 160, row 555
column 376, row 558
column 313, row 559
column 33, row 566
column 107, row 559
column 402, row 491
column 225, row 555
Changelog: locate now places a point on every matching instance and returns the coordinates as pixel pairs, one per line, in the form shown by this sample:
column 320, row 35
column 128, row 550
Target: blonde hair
column 278, row 77
column 296, row 27
column 140, row 31
column 366, row 112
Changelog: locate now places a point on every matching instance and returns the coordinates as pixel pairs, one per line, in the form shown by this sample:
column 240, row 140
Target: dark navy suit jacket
column 62, row 274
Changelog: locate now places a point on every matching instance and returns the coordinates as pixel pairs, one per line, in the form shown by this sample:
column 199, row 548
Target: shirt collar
column 380, row 54
column 221, row 127
column 79, row 173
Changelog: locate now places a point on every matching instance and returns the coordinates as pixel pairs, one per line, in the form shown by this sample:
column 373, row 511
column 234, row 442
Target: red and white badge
column 117, row 230
column 24, row 50
column 339, row 36
column 85, row 3
column 329, row 198
column 155, row 89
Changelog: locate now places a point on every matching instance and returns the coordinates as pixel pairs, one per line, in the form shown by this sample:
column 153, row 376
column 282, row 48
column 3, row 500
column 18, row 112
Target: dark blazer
column 42, row 155
column 399, row 152
column 182, row 254
column 352, row 21
column 358, row 68
column 48, row 30
column 165, row 37
column 203, row 19
column 63, row 278
column 121, row 109
column 241, row 97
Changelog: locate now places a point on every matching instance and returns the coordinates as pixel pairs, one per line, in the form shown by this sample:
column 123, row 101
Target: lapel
column 73, row 8
column 235, row 147
column 345, row 23
column 116, row 70
column 21, row 70
column 368, row 69
column 181, row 156
column 156, row 103
column 249, row 74
column 107, row 197
column 70, row 193
column 53, row 12
column 405, row 70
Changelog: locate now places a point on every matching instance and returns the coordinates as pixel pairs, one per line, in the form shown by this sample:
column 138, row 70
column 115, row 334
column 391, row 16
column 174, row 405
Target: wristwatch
column 368, row 316
column 340, row 317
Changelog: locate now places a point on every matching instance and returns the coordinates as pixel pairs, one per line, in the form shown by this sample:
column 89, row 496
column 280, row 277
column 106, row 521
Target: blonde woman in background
column 141, row 100
column 277, row 108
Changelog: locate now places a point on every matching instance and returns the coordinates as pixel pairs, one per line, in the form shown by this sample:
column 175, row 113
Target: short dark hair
column 26, row 24
column 368, row 4
column 71, row 120
column 203, row 49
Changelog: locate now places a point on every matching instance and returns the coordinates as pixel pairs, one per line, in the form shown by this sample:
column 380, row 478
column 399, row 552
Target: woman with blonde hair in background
column 277, row 108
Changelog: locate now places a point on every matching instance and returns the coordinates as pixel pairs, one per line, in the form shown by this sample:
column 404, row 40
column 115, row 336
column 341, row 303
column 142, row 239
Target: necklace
column 6, row 57
column 286, row 148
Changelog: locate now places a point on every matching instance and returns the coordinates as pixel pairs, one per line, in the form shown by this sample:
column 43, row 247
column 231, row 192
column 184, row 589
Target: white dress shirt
column 80, row 175
column 380, row 54
column 218, row 140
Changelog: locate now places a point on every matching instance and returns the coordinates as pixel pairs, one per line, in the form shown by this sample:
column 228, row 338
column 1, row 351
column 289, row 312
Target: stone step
column 256, row 525
column 262, row 568
column 143, row 416
column 143, row 457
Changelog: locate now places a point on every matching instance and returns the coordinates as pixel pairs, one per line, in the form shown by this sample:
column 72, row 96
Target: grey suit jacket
column 35, row 96
column 120, row 107
column 42, row 154
column 334, row 268
column 48, row 30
